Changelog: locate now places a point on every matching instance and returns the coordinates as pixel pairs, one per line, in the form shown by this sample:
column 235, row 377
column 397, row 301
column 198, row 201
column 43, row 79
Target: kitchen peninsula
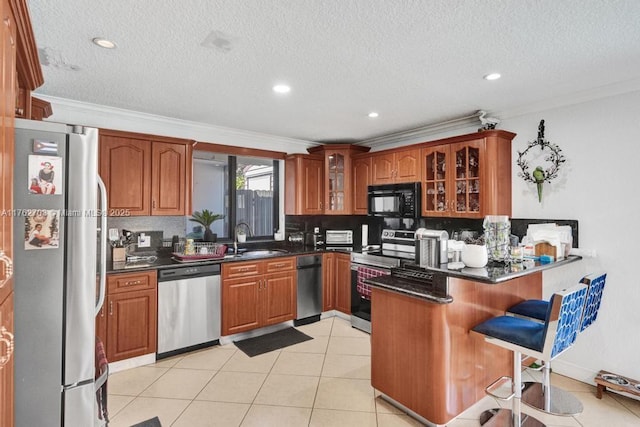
column 423, row 357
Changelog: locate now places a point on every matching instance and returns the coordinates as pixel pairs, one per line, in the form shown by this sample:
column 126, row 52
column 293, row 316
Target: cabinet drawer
column 280, row 264
column 241, row 269
column 131, row 282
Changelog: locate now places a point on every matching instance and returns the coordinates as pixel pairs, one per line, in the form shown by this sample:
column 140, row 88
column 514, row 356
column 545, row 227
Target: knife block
column 118, row 254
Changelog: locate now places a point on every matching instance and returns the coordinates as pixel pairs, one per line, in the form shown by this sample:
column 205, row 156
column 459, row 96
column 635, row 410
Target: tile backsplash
column 170, row 225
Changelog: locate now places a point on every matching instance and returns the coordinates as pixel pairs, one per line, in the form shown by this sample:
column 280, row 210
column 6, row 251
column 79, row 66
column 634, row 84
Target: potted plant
column 206, row 218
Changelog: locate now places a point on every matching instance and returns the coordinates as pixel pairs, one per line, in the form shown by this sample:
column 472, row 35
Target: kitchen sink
column 262, row 252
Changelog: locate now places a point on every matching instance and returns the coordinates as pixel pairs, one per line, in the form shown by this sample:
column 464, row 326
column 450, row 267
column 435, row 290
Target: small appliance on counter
column 314, row 239
column 338, row 239
column 431, row 247
column 297, row 237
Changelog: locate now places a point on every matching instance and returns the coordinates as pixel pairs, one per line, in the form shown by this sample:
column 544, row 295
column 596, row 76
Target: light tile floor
column 322, row 382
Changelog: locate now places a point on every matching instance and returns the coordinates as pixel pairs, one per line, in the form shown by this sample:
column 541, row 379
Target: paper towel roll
column 365, row 235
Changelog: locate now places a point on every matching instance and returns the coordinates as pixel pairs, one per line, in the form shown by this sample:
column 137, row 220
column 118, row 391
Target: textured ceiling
column 415, row 62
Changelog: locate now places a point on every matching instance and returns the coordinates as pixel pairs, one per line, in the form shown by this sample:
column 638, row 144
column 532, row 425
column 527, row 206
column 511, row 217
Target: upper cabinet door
column 467, row 182
column 361, row 179
column 407, row 166
column 382, row 169
column 396, row 167
column 168, row 178
column 304, row 185
column 337, row 182
column 125, row 167
column 435, row 181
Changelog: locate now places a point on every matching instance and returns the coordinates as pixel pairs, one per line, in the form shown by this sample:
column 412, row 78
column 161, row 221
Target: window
column 252, row 182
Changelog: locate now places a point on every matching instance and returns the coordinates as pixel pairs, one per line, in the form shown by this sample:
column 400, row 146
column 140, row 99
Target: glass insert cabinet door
column 467, row 179
column 452, row 181
column 336, row 181
column 435, row 181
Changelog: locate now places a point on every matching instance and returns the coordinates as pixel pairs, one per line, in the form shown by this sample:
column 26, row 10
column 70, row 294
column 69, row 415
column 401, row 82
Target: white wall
column 597, row 187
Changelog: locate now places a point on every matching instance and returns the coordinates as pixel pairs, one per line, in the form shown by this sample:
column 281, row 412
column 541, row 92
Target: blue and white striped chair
column 544, row 341
column 544, row 396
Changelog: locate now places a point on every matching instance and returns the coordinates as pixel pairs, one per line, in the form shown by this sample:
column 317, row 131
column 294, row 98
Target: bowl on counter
column 475, row 256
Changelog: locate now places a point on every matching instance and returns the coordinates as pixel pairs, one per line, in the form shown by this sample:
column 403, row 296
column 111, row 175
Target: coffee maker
column 431, row 247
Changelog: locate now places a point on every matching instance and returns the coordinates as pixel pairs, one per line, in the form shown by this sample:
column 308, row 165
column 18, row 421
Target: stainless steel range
column 397, row 246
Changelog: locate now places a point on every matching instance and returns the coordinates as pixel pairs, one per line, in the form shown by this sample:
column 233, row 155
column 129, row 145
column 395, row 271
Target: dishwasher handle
column 190, row 272
column 306, row 267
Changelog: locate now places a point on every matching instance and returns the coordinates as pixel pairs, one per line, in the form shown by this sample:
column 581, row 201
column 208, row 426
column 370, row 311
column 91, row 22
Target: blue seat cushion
column 533, row 309
column 522, row 332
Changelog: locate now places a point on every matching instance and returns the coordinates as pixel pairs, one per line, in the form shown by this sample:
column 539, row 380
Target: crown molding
column 88, row 114
column 594, row 94
column 422, row 133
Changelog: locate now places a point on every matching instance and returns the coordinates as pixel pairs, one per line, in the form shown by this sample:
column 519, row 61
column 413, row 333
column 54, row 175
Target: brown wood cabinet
column 21, row 72
column 304, row 185
column 469, row 176
column 144, row 174
column 343, row 283
column 396, row 166
column 127, row 323
column 258, row 293
column 336, row 282
column 328, row 281
column 361, row 179
column 338, row 190
column 424, row 355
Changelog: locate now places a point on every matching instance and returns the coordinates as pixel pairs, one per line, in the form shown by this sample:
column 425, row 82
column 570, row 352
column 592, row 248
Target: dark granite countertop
column 165, row 260
column 496, row 272
column 491, row 274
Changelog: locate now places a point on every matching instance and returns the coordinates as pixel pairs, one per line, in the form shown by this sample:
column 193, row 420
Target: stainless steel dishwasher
column 188, row 308
column 309, row 289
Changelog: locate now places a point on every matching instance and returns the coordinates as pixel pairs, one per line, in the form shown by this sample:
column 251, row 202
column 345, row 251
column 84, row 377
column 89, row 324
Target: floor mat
column 153, row 422
column 273, row 341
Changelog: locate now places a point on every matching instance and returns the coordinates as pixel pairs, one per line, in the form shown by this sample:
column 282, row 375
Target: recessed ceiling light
column 373, row 115
column 282, row 89
column 107, row 44
column 492, row 76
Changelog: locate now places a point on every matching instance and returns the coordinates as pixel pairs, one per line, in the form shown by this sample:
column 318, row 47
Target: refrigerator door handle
column 103, row 245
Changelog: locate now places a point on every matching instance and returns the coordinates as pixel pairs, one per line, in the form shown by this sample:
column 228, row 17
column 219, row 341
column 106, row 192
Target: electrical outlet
column 114, row 234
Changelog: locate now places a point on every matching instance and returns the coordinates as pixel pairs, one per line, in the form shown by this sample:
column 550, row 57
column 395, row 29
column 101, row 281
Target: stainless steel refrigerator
column 58, row 257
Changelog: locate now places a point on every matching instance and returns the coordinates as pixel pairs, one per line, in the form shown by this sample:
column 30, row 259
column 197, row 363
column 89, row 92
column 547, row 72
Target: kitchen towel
column 365, row 273
column 273, row 341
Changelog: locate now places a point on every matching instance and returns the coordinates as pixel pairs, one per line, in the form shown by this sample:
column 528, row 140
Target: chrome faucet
column 235, row 239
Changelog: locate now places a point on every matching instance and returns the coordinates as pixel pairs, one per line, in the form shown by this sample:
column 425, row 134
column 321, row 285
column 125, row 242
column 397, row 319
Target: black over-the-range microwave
column 395, row 200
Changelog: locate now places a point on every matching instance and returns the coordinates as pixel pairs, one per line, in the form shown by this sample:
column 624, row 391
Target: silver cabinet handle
column 6, row 338
column 8, row 268
column 110, row 308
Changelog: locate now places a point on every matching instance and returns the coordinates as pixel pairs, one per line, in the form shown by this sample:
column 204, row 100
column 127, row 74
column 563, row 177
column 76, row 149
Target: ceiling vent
column 217, row 40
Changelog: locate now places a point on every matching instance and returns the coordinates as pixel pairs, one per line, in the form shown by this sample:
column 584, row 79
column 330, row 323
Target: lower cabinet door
column 132, row 324
column 240, row 304
column 278, row 295
column 343, row 283
column 328, row 281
